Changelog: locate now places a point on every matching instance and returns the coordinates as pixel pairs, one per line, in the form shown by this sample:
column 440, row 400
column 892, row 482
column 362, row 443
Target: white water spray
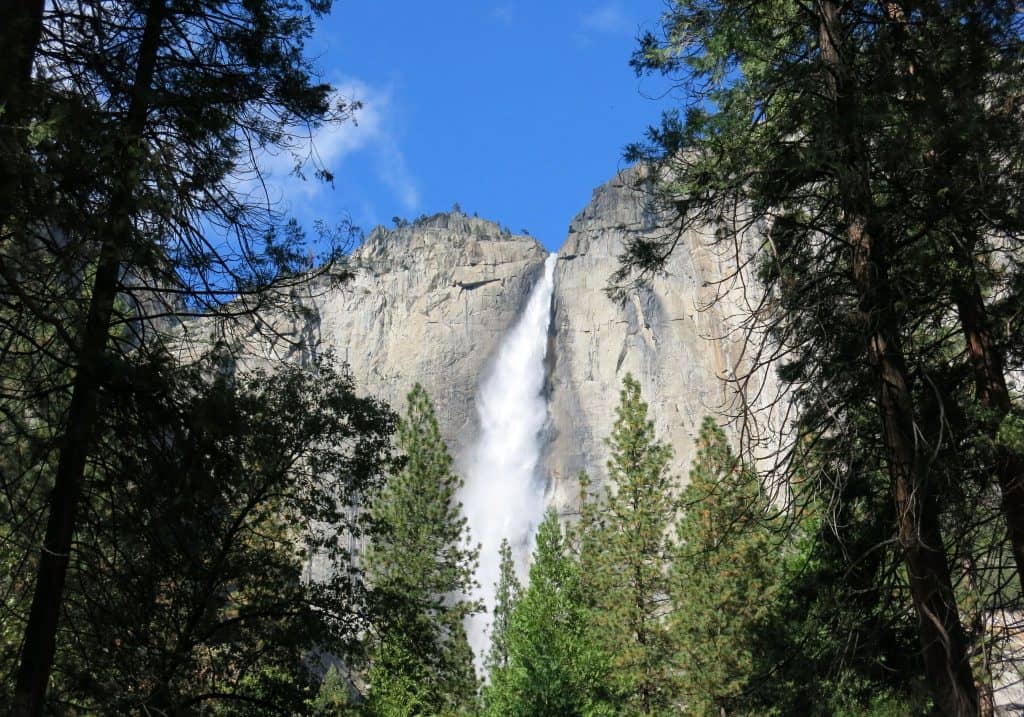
column 504, row 496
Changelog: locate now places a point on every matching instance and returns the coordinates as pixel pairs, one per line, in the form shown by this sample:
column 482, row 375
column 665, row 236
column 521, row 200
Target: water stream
column 503, row 496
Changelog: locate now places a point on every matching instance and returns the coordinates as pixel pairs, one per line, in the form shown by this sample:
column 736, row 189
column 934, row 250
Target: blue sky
column 515, row 110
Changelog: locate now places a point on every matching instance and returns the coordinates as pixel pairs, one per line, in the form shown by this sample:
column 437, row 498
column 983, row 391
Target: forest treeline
column 185, row 536
column 659, row 596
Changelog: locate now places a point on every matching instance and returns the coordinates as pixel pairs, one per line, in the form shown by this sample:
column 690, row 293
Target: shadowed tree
column 148, row 122
column 830, row 130
column 186, row 593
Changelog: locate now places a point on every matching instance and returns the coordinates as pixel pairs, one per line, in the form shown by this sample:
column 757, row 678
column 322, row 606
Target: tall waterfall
column 503, row 495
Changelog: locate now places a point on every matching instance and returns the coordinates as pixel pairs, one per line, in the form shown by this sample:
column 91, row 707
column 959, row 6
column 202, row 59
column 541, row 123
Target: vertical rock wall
column 430, row 306
column 431, row 300
column 664, row 334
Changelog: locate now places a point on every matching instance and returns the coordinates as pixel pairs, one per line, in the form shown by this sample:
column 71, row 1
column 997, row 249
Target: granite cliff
column 666, row 334
column 431, row 301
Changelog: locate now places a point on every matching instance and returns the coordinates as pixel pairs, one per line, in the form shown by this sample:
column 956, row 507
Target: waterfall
column 503, row 496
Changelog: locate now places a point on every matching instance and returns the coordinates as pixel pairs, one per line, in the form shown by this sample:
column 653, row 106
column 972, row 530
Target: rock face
column 437, row 297
column 664, row 334
column 431, row 301
column 429, row 305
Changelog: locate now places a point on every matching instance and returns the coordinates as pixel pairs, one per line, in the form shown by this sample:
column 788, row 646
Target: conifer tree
column 867, row 144
column 420, row 564
column 626, row 557
column 187, row 590
column 768, row 616
column 552, row 668
column 132, row 137
column 724, row 579
column 506, row 596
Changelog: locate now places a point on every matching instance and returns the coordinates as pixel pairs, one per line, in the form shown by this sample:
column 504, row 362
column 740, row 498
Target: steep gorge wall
column 665, row 334
column 430, row 305
column 431, row 301
column 428, row 302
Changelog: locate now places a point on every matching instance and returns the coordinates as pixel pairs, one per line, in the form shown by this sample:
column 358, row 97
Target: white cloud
column 394, row 172
column 503, row 14
column 370, row 130
column 608, row 18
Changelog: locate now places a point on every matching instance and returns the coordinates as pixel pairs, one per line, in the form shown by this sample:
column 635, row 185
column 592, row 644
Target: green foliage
column 1011, row 432
column 725, row 580
column 420, row 564
column 334, row 697
column 625, row 552
column 186, row 591
column 864, row 143
column 769, row 616
column 553, row 668
column 506, row 597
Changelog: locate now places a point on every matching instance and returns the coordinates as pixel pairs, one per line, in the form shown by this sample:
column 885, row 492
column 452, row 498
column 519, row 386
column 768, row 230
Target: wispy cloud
column 393, row 170
column 608, row 18
column 370, row 131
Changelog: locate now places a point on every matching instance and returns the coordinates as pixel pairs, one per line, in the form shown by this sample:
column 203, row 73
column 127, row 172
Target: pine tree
column 553, row 669
column 506, row 597
column 724, row 579
column 420, row 565
column 135, row 131
column 334, row 698
column 843, row 640
column 626, row 551
column 867, row 144
column 186, row 591
column 768, row 616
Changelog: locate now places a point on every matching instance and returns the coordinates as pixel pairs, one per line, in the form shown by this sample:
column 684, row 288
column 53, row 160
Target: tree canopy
column 851, row 138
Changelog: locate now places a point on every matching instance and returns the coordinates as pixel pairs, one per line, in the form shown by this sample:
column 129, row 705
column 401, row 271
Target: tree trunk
column 992, row 393
column 40, row 637
column 39, row 642
column 941, row 634
column 943, row 642
column 986, row 359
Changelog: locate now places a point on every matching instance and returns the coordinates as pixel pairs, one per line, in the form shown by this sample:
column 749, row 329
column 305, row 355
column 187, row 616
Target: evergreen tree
column 552, row 668
column 725, row 580
column 866, row 143
column 334, row 698
column 420, row 565
column 506, row 597
column 841, row 639
column 135, row 134
column 768, row 615
column 186, row 591
column 626, row 552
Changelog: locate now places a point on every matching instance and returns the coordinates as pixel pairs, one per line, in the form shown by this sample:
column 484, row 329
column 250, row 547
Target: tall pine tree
column 506, row 597
column 626, row 548
column 420, row 564
column 553, row 668
column 868, row 145
column 132, row 135
column 724, row 579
